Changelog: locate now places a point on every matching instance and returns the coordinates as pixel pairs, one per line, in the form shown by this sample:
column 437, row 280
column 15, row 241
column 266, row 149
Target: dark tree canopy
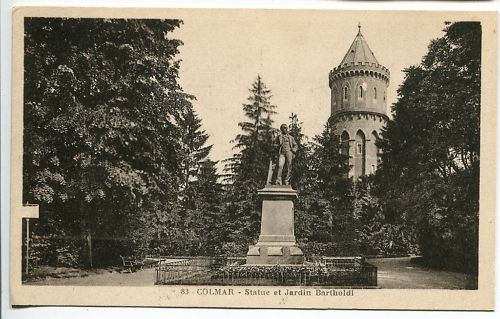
column 324, row 212
column 194, row 152
column 103, row 145
column 430, row 164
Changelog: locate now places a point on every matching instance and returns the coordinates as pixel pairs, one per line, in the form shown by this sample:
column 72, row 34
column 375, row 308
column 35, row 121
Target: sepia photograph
column 235, row 155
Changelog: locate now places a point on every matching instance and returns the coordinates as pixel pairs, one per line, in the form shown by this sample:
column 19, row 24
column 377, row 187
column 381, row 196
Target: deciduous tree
column 429, row 177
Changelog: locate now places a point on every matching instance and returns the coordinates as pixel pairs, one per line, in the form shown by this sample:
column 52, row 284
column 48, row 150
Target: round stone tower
column 359, row 107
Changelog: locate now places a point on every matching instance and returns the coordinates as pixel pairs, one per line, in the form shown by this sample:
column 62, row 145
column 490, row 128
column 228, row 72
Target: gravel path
column 145, row 277
column 397, row 273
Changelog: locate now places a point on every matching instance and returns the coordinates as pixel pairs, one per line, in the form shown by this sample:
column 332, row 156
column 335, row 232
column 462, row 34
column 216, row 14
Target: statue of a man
column 287, row 149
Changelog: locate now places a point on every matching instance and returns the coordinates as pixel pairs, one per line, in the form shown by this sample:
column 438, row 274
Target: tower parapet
column 366, row 68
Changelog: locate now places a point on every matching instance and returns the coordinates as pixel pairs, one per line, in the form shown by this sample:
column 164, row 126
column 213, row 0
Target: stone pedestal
column 276, row 243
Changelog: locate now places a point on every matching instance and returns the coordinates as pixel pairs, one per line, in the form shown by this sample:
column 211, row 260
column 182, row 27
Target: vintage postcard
column 253, row 158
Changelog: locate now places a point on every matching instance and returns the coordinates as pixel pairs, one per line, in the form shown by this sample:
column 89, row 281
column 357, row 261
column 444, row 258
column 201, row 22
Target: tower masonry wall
column 364, row 129
column 358, row 91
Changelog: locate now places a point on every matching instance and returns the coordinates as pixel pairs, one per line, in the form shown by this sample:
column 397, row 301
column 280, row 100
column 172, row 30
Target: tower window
column 360, row 94
column 346, row 92
column 344, row 149
column 375, row 93
column 360, row 158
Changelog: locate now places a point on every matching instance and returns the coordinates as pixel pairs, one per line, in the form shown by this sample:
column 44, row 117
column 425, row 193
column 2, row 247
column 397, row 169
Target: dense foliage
column 105, row 127
column 325, row 223
column 429, row 179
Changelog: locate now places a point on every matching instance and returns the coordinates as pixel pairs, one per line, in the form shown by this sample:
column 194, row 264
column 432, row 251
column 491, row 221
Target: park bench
column 131, row 263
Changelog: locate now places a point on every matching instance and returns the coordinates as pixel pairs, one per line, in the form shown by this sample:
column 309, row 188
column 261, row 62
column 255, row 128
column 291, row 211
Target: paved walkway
column 144, row 277
column 393, row 273
column 402, row 273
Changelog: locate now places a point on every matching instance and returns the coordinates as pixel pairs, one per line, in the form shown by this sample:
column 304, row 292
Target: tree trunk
column 87, row 235
column 89, row 245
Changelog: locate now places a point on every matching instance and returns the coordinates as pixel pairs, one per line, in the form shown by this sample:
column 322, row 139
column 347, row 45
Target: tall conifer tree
column 193, row 152
column 247, row 169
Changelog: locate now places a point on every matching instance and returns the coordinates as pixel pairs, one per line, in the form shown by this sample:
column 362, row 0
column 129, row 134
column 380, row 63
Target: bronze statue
column 287, row 149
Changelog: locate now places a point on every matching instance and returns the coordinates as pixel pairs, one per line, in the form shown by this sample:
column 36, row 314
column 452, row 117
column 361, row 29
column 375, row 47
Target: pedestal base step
column 265, row 254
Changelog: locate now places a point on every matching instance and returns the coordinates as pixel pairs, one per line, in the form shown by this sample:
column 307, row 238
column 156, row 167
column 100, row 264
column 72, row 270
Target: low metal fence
column 233, row 271
column 300, row 275
column 174, row 269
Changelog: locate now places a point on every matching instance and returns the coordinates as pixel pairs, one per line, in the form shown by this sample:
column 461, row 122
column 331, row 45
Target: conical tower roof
column 359, row 51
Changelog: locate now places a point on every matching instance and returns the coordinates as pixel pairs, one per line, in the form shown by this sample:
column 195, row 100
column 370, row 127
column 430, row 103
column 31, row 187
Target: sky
column 293, row 51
